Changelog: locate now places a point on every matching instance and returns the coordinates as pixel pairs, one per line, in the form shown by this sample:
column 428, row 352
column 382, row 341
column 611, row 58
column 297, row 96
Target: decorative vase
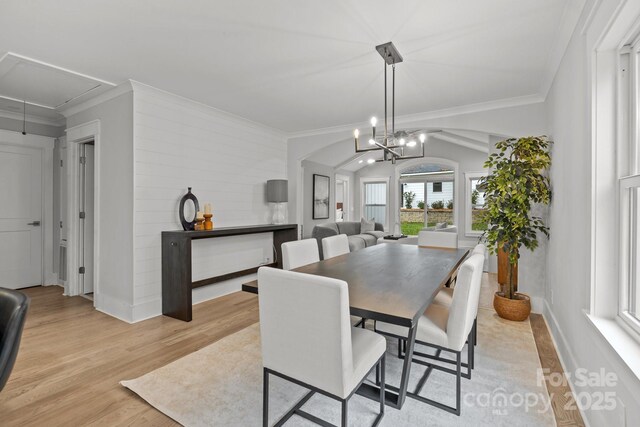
column 208, row 224
column 188, row 225
column 517, row 309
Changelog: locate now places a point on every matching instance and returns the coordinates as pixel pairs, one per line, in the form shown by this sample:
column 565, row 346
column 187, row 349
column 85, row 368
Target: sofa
column 356, row 239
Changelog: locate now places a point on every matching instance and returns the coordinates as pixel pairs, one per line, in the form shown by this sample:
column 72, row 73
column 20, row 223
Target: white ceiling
column 41, row 90
column 296, row 65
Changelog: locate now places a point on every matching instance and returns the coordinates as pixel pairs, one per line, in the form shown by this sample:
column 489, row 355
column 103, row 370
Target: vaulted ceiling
column 299, row 65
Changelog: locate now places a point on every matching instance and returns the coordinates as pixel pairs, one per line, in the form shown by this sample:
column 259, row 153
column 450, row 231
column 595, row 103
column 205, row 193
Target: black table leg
column 406, row 366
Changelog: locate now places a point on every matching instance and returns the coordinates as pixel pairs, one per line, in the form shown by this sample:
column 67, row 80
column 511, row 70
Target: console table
column 177, row 282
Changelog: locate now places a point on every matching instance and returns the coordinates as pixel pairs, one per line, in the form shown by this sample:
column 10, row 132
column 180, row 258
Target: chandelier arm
column 387, row 149
column 363, row 150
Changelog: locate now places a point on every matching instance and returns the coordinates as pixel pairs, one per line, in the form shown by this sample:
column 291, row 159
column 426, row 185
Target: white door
column 87, row 223
column 20, row 217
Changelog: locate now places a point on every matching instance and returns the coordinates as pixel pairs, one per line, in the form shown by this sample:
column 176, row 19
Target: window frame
column 628, row 178
column 468, row 221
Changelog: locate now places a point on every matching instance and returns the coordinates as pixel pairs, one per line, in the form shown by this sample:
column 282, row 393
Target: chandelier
column 399, row 145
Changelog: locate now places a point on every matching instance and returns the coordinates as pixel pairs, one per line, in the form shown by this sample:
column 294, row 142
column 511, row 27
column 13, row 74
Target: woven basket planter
column 517, row 309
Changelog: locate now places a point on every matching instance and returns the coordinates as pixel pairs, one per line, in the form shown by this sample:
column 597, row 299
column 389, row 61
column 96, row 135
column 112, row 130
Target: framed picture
column 320, row 196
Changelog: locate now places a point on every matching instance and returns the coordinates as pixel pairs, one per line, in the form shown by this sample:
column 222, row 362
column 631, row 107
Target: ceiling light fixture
column 24, row 117
column 394, row 144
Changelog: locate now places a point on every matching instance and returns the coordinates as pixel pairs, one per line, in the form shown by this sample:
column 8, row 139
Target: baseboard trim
column 113, row 307
column 146, row 310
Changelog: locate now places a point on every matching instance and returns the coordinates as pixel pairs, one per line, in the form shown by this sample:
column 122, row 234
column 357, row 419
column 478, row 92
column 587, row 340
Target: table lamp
column 277, row 193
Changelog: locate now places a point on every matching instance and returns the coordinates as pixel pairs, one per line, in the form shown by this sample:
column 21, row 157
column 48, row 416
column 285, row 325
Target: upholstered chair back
column 437, row 239
column 466, row 296
column 299, row 252
column 305, row 328
column 335, row 245
column 479, row 249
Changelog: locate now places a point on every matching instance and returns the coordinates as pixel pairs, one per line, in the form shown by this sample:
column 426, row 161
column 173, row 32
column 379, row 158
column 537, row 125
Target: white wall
column 569, row 257
column 33, row 128
column 528, row 119
column 468, row 161
column 227, row 160
column 115, row 275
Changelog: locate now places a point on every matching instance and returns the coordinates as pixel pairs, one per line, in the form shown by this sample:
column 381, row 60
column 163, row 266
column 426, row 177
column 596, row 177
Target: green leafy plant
column 409, row 197
column 516, row 182
column 450, row 204
column 421, row 205
column 474, row 197
column 438, row 204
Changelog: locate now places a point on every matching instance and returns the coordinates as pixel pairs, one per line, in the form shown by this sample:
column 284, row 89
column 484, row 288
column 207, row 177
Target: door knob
column 34, row 223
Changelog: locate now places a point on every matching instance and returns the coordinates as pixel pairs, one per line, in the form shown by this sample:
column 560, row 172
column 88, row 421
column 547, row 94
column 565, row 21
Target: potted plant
column 517, row 180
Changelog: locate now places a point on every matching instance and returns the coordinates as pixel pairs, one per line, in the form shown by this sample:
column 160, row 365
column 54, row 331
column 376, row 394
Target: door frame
column 346, row 183
column 76, row 135
column 45, row 144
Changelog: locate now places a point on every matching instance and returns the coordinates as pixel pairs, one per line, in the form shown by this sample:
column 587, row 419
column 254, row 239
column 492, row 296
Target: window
column 475, row 224
column 629, row 185
column 375, row 201
column 432, row 187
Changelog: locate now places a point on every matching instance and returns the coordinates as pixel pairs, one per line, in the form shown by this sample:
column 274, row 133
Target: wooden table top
column 388, row 282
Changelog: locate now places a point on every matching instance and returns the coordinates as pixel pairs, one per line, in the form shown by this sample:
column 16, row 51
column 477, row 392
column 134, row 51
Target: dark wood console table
column 177, row 282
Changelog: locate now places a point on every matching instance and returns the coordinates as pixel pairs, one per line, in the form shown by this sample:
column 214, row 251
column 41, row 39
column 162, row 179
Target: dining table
column 393, row 283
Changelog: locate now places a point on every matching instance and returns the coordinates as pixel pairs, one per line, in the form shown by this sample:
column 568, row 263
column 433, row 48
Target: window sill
column 472, row 234
column 621, row 341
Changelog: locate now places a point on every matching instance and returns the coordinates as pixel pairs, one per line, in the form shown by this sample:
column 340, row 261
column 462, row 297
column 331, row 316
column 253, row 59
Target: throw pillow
column 367, row 225
column 441, row 225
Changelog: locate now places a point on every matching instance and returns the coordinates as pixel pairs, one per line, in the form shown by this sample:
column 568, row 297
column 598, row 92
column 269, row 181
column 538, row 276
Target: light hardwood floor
column 72, row 358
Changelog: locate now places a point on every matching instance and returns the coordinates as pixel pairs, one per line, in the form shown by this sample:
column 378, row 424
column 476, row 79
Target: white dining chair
column 445, row 295
column 299, row 252
column 446, row 329
column 334, row 246
column 307, row 340
column 437, row 239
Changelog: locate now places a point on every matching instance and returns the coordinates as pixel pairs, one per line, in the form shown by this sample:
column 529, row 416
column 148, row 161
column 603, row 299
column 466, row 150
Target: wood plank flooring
column 72, row 358
column 562, row 400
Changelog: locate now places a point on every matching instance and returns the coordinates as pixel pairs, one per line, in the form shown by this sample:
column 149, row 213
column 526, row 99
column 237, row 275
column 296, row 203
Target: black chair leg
column 470, row 354
column 344, row 413
column 475, row 331
column 382, row 379
column 265, row 398
column 458, row 380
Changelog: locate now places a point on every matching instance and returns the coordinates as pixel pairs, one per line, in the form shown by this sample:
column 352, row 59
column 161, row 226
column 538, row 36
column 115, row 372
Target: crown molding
column 429, row 115
column 203, row 108
column 32, row 119
column 92, row 102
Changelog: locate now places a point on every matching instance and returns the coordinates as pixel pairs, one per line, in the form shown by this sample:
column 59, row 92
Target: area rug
column 221, row 385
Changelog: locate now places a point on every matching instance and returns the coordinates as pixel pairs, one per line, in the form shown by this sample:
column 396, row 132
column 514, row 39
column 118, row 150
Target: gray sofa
column 352, row 230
